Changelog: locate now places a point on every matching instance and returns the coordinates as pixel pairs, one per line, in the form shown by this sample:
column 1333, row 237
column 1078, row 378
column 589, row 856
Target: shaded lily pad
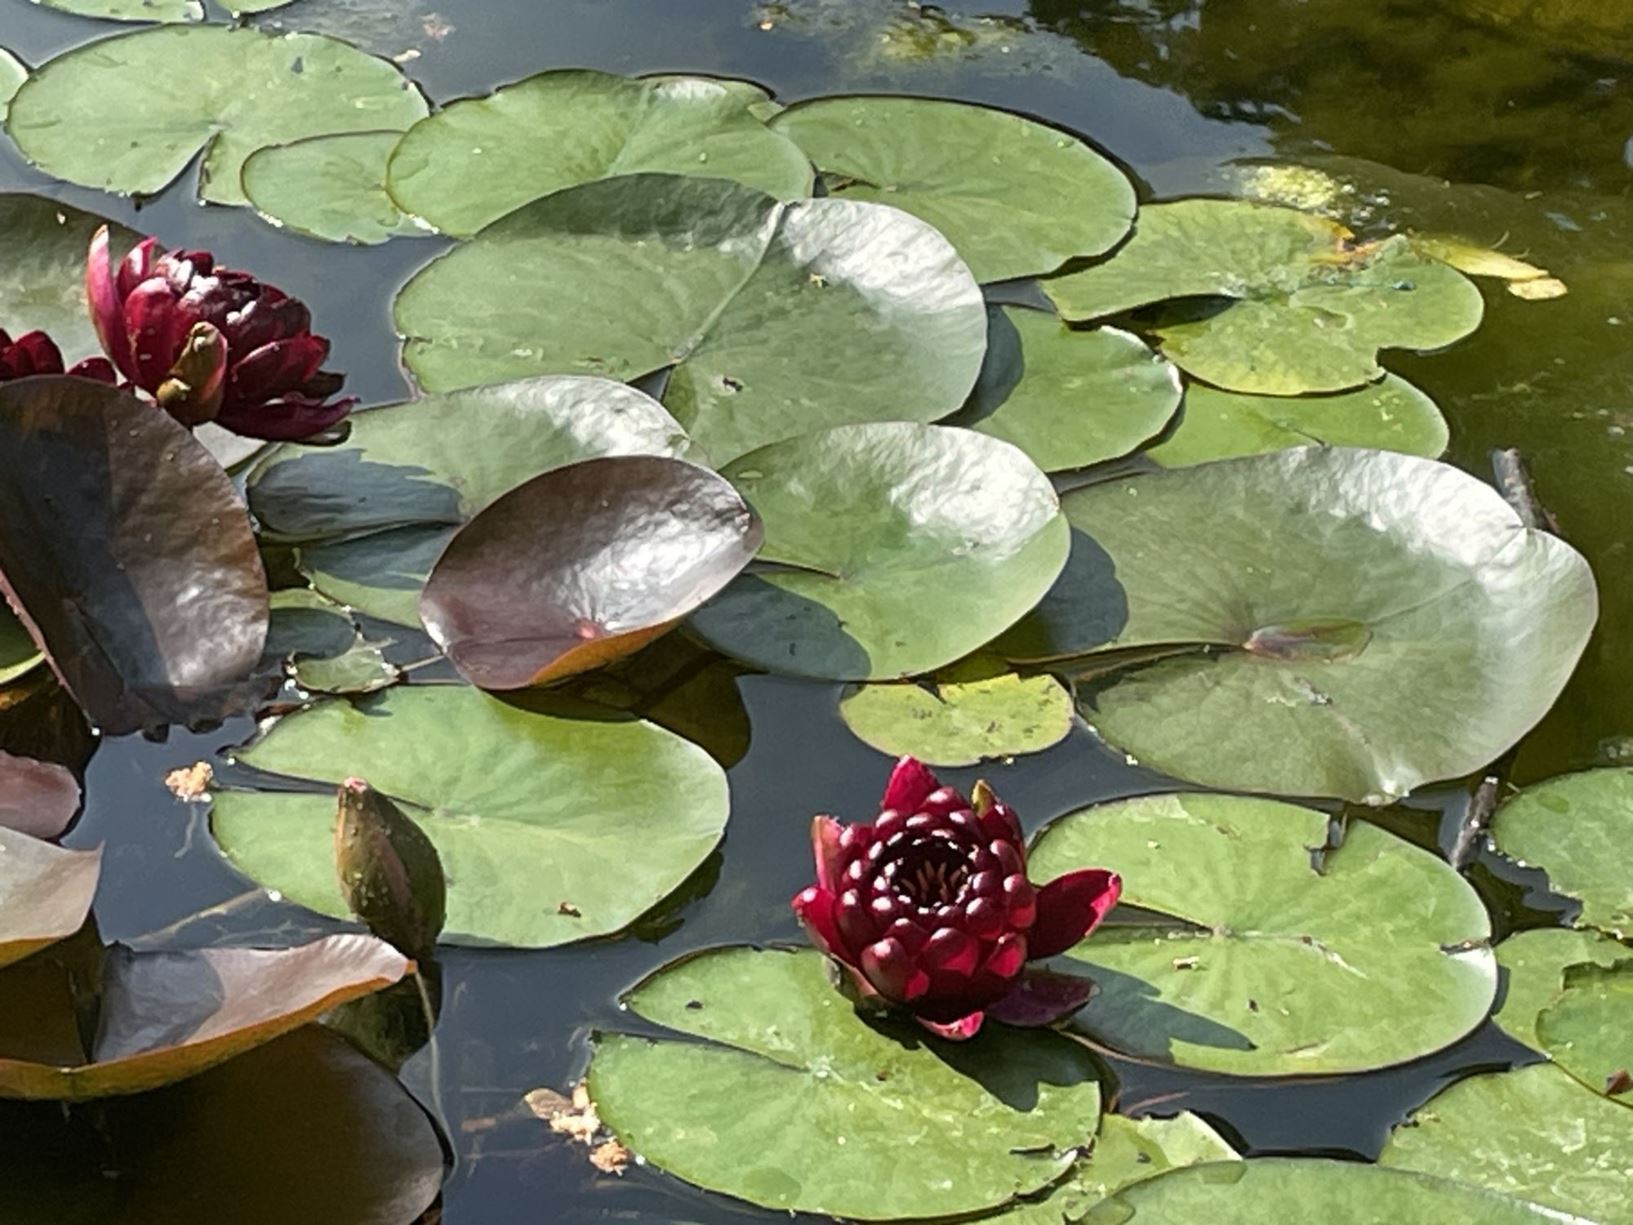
column 1534, row 1133
column 129, row 554
column 305, row 625
column 1015, row 196
column 1278, row 959
column 1586, row 1028
column 777, row 319
column 38, row 798
column 583, row 565
column 897, row 548
column 329, row 187
column 18, row 654
column 1068, row 398
column 546, row 832
column 45, row 893
column 165, row 1016
column 42, row 278
column 1381, row 619
column 1310, row 1189
column 131, row 10
column 109, row 114
column 1534, row 965
column 1391, row 416
column 478, row 159
column 788, row 1070
column 1577, row 827
column 975, row 709
column 1303, row 309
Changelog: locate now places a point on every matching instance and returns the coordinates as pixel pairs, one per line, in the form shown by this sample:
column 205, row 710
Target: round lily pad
column 1068, row 398
column 1534, row 1133
column 1381, row 619
column 1534, row 964
column 1276, row 958
column 894, row 549
column 584, row 565
column 131, row 10
column 975, row 709
column 1309, row 1189
column 329, row 187
column 109, row 114
column 1586, row 1028
column 1305, row 309
column 42, row 278
column 1577, row 828
column 479, row 158
column 545, row 832
column 792, row 1101
column 45, row 893
column 1391, row 415
column 1016, row 197
column 774, row 319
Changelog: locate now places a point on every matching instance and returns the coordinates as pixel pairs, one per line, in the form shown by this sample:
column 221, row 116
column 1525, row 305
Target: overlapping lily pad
column 129, row 554
column 13, row 72
column 1068, row 398
column 18, row 654
column 479, row 158
column 1533, row 1133
column 1273, row 963
column 1586, row 1028
column 1577, row 827
column 795, row 1103
column 114, row 114
column 42, row 279
column 893, row 549
column 554, row 823
column 38, row 798
column 45, row 893
column 1391, row 415
column 132, row 10
column 1534, row 964
column 774, row 319
column 1380, row 619
column 329, row 187
column 1016, row 197
column 1296, row 306
column 584, row 565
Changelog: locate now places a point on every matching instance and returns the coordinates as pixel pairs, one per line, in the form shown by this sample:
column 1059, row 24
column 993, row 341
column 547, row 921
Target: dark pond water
column 1174, row 89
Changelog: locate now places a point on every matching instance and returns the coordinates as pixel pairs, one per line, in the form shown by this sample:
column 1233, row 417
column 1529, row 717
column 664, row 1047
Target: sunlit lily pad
column 584, row 565
column 895, row 549
column 131, row 10
column 975, row 709
column 1533, row 1133
column 38, row 798
column 479, row 158
column 1382, row 620
column 129, row 554
column 1391, row 416
column 42, row 278
column 1577, row 827
column 795, row 1103
column 1302, row 310
column 1586, row 1028
column 1273, row 963
column 1311, row 1189
column 110, row 114
column 777, row 318
column 757, row 98
column 1015, row 196
column 1534, row 964
column 546, row 832
column 45, row 893
column 1068, row 398
column 329, row 187
column 13, row 72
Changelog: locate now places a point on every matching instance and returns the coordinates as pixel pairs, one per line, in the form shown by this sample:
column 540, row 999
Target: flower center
column 930, row 873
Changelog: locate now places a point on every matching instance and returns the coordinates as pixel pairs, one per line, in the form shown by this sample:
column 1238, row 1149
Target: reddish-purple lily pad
column 38, row 798
column 583, row 565
column 45, row 893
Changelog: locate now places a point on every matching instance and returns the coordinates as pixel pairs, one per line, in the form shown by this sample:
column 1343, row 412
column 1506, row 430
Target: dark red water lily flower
column 930, row 908
column 212, row 343
column 37, row 353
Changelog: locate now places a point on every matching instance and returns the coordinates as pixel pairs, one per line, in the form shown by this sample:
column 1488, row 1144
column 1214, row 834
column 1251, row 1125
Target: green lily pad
column 42, row 278
column 897, row 549
column 1304, row 310
column 360, row 668
column 478, row 159
column 1016, row 197
column 547, row 836
column 131, row 10
column 239, row 8
column 18, row 654
column 1577, row 827
column 1534, row 1133
column 795, row 1103
column 329, row 187
column 1310, row 1189
column 1390, row 416
column 1534, row 964
column 975, row 709
column 1381, row 619
column 13, row 72
column 114, row 114
column 1586, row 1028
column 757, row 98
column 774, row 319
column 1273, row 963
column 45, row 893
column 1068, row 398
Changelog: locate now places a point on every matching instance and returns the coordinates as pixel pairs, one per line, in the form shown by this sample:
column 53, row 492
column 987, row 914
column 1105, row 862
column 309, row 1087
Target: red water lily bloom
column 930, row 908
column 37, row 353
column 212, row 343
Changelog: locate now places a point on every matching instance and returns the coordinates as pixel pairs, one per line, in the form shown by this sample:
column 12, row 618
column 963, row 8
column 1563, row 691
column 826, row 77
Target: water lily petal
column 911, row 783
column 1042, row 997
column 814, row 908
column 825, row 839
column 961, row 1030
column 1071, row 907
